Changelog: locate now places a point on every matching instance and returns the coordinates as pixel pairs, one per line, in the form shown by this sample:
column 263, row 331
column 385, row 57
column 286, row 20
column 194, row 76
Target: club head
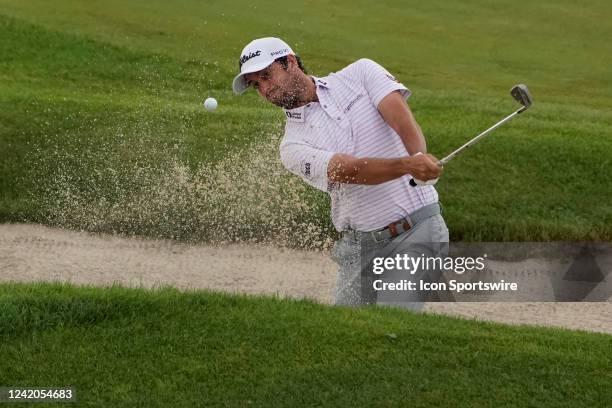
column 521, row 93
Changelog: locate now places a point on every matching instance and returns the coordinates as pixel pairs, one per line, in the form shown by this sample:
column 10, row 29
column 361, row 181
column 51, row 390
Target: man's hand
column 423, row 167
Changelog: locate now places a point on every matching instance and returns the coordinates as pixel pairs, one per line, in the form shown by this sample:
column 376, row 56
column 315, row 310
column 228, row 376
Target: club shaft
column 480, row 136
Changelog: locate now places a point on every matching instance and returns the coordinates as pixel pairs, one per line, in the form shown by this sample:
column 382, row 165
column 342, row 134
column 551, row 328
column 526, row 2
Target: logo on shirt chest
column 352, row 103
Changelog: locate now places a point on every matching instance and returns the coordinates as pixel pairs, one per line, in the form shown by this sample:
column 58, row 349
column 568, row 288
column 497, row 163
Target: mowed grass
column 75, row 75
column 130, row 347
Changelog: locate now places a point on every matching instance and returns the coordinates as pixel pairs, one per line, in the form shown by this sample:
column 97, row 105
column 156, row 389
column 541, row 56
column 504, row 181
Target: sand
column 30, row 253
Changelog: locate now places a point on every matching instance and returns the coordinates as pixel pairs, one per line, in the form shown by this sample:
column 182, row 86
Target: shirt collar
column 323, row 83
column 297, row 114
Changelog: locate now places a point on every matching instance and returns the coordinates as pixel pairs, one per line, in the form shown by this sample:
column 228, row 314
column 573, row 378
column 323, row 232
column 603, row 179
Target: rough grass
column 126, row 347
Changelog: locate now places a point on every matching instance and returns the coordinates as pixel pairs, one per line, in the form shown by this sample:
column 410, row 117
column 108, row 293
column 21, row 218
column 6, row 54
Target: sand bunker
column 36, row 253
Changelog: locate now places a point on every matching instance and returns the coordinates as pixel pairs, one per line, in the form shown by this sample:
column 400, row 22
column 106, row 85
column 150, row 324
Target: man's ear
column 291, row 62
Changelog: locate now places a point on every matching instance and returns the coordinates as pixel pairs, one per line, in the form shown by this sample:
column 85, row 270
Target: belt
column 398, row 227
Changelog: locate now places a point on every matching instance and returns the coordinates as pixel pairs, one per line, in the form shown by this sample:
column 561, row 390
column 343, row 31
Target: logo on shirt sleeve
column 391, row 77
column 306, row 169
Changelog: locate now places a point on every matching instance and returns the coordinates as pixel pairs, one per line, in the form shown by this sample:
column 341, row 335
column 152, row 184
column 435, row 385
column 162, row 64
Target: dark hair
column 285, row 64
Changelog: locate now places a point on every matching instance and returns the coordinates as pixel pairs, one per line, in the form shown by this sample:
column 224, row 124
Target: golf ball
column 210, row 104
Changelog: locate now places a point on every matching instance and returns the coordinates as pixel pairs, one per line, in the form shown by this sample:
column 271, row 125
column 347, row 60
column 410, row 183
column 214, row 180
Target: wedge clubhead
column 521, row 94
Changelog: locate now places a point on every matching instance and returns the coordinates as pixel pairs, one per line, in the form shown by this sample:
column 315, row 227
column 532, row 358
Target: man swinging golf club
column 352, row 135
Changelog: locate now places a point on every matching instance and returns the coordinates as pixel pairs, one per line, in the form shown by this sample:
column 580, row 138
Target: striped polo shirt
column 346, row 120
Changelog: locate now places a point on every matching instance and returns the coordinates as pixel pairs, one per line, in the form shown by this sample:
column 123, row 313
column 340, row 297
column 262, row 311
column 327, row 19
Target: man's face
column 276, row 84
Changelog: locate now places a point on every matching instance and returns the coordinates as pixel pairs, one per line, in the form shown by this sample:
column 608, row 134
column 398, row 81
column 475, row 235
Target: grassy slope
column 149, row 64
column 63, row 89
column 123, row 347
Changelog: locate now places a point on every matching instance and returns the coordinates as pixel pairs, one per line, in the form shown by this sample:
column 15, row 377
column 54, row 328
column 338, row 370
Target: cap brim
column 239, row 84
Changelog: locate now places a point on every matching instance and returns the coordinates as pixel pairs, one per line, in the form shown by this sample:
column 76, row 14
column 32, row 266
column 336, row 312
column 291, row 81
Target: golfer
column 352, row 135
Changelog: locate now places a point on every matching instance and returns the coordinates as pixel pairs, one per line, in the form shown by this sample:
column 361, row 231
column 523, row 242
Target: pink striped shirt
column 346, row 120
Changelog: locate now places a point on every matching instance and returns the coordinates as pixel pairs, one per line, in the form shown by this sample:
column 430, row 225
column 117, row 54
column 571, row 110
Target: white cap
column 258, row 55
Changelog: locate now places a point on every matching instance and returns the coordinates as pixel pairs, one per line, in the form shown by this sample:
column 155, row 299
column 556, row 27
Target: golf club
column 521, row 94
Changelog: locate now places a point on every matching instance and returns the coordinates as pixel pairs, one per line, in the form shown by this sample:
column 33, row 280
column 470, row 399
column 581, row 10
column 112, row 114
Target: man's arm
column 344, row 168
column 397, row 114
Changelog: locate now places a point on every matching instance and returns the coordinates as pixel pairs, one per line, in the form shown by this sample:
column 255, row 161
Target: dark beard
column 294, row 98
column 289, row 101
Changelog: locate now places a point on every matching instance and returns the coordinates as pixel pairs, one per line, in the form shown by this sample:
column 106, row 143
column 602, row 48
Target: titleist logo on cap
column 247, row 57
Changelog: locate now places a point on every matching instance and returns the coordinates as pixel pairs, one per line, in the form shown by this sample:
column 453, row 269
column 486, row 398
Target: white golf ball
column 210, row 104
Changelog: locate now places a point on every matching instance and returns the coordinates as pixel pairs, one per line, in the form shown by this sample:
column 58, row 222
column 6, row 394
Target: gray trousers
column 428, row 238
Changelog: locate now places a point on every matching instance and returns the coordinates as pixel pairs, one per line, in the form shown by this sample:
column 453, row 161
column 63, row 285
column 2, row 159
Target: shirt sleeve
column 378, row 82
column 306, row 162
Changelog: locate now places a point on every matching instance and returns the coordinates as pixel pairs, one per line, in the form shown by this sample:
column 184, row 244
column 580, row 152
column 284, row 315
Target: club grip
column 414, row 183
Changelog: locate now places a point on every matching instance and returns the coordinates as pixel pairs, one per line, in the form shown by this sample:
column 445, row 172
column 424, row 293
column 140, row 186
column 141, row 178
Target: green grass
column 77, row 78
column 126, row 347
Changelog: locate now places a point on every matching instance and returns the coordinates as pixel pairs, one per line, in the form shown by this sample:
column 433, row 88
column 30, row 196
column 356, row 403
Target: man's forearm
column 398, row 115
column 367, row 170
column 412, row 137
column 344, row 168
